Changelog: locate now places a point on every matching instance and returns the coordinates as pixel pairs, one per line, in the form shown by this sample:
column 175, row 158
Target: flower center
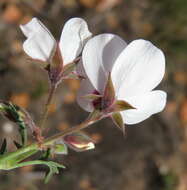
column 101, row 103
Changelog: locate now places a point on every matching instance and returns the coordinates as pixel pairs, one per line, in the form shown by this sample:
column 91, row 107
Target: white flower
column 136, row 69
column 41, row 45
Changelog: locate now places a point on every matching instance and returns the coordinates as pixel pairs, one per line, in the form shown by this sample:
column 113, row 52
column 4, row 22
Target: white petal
column 146, row 105
column 40, row 43
column 73, row 38
column 139, row 68
column 85, row 89
column 34, row 26
column 80, row 70
column 98, row 57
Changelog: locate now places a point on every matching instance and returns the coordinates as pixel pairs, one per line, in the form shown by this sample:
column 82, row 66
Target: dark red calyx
column 97, row 103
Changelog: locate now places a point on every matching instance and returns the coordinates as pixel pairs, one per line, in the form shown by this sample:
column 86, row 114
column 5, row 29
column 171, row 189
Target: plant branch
column 8, row 159
column 67, row 131
column 47, row 105
column 48, row 141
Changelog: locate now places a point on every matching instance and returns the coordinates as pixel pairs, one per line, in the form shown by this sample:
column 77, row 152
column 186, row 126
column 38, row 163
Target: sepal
column 40, row 63
column 109, row 93
column 60, row 148
column 120, row 105
column 95, row 115
column 55, row 74
column 118, row 121
column 70, row 67
column 92, row 97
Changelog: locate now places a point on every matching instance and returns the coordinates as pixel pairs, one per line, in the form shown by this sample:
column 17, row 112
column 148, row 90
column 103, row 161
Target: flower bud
column 79, row 142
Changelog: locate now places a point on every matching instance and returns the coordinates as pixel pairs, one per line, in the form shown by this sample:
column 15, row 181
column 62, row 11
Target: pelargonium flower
column 122, row 78
column 42, row 47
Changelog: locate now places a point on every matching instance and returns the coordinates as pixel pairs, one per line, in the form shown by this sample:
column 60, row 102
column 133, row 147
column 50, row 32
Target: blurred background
column 153, row 155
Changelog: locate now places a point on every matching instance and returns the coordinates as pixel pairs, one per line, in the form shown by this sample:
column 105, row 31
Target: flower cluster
column 59, row 58
column 117, row 79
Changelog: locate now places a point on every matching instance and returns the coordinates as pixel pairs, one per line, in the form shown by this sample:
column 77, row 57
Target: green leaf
column 118, row 121
column 24, row 156
column 53, row 169
column 3, row 148
column 79, row 142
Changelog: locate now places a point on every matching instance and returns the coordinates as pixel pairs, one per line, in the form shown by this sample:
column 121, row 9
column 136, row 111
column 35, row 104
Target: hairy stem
column 48, row 141
column 47, row 105
column 35, row 147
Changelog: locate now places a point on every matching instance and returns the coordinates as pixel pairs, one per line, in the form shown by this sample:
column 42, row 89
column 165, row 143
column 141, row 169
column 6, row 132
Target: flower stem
column 67, row 131
column 31, row 149
column 47, row 105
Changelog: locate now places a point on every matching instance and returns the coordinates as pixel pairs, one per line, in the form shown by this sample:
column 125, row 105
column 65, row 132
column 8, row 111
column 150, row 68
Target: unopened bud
column 79, row 142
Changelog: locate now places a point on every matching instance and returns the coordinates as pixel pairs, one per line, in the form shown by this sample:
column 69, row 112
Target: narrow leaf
column 79, row 142
column 53, row 169
column 3, row 148
column 109, row 93
column 118, row 120
column 24, row 155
